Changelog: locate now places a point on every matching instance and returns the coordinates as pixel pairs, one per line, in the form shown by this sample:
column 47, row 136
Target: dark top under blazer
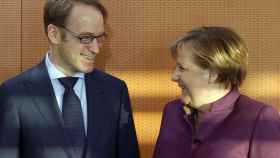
column 31, row 125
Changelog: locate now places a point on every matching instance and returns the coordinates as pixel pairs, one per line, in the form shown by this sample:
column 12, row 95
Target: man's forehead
column 85, row 14
column 89, row 20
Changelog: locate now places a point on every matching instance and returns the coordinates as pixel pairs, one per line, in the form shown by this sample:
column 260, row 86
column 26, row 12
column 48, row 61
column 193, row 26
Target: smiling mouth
column 88, row 57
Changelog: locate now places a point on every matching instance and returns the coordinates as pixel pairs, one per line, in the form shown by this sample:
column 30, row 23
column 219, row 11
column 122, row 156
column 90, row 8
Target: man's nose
column 94, row 46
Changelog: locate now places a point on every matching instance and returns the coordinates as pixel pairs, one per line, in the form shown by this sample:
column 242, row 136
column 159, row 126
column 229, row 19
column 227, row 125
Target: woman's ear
column 212, row 77
column 53, row 34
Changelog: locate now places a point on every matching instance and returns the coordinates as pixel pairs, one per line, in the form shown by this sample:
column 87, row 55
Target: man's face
column 72, row 55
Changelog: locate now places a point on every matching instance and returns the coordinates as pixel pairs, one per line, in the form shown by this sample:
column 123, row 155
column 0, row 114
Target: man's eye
column 86, row 39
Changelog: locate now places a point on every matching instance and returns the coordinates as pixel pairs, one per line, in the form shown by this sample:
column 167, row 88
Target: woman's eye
column 181, row 68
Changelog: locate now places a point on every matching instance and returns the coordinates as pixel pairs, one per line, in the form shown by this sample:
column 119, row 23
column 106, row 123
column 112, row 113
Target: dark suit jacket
column 31, row 125
column 250, row 130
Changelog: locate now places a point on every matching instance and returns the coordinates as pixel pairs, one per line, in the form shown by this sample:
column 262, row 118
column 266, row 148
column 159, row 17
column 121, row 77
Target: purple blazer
column 236, row 127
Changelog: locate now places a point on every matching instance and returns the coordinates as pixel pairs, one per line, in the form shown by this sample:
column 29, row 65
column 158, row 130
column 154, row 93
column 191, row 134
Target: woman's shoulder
column 173, row 105
column 248, row 104
column 253, row 103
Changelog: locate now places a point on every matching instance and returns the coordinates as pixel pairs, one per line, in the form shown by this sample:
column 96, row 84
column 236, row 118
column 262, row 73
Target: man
column 64, row 107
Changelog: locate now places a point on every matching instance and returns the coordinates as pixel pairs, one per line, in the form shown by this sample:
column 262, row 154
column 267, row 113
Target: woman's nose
column 175, row 75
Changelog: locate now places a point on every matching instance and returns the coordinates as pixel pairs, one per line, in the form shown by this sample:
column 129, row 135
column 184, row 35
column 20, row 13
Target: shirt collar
column 54, row 73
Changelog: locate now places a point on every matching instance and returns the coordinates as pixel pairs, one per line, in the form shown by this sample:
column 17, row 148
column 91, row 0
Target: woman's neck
column 203, row 98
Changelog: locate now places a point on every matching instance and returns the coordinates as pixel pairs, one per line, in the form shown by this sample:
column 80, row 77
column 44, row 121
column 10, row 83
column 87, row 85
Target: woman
column 212, row 119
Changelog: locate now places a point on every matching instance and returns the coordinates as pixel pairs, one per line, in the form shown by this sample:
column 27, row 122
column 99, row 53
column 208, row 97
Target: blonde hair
column 219, row 50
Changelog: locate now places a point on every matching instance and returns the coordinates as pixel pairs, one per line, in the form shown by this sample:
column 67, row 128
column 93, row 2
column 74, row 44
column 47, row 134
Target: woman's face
column 190, row 77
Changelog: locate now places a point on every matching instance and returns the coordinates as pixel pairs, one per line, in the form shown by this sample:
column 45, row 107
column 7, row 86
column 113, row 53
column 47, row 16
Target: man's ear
column 53, row 34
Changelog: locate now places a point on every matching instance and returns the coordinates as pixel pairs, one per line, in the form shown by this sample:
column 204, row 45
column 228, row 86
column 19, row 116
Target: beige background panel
column 137, row 49
column 10, row 43
column 34, row 43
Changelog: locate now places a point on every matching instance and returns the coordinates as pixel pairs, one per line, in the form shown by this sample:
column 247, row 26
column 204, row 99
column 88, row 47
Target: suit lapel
column 95, row 99
column 40, row 88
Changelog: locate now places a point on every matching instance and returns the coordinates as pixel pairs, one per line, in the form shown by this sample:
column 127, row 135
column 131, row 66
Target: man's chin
column 87, row 69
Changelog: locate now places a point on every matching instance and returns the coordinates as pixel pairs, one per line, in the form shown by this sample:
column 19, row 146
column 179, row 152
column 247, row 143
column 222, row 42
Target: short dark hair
column 57, row 11
column 218, row 49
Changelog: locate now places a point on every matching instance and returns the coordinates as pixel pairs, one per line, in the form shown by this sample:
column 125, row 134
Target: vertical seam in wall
column 21, row 66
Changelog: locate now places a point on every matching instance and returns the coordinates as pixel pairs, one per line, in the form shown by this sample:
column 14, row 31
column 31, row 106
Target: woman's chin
column 185, row 98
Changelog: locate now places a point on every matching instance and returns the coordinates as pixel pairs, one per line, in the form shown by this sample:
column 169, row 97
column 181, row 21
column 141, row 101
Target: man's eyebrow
column 91, row 34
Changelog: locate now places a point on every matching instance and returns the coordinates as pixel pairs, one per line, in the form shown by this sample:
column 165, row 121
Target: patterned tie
column 72, row 114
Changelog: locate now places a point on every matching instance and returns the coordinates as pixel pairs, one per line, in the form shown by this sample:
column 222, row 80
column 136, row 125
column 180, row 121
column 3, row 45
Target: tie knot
column 68, row 82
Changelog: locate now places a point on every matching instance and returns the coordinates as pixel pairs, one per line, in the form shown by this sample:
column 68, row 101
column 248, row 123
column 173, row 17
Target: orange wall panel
column 137, row 49
column 10, row 38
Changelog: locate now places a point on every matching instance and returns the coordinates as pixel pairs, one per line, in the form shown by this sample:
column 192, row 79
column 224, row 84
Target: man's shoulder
column 20, row 78
column 105, row 77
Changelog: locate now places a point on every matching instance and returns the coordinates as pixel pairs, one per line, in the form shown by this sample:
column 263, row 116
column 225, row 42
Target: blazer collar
column 40, row 87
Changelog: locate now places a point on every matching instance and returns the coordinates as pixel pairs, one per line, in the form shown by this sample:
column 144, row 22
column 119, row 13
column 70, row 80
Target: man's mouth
column 88, row 56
